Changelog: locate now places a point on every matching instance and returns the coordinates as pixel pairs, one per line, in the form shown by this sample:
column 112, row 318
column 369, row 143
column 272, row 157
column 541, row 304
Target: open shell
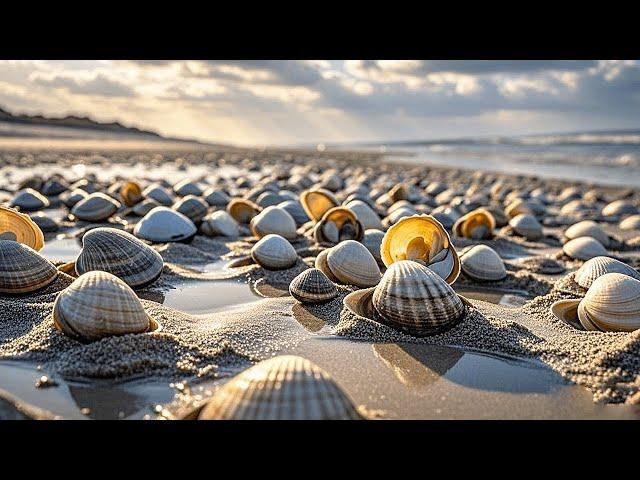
column 274, row 252
column 242, row 210
column 162, row 224
column 612, row 304
column 97, row 305
column 274, row 220
column 584, row 248
column 220, row 223
column 22, row 269
column 527, row 226
column 598, row 266
column 421, row 238
column 29, row 200
column 286, row 387
column 95, row 208
column 477, row 224
column 338, row 224
column 312, row 286
column 131, row 193
column 588, row 228
column 20, row 228
column 120, row 254
column 192, row 207
column 317, row 202
column 482, row 263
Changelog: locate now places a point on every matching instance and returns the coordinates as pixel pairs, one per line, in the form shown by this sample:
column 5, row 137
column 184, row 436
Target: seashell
column 312, row 286
column 216, row 197
column 499, row 216
column 399, row 192
column 587, row 228
column 631, row 223
column 187, row 187
column 294, row 208
column 399, row 214
column 435, row 188
column 612, row 304
column 45, row 223
column 285, row 387
column 95, row 208
column 584, row 248
column 352, row 264
column 70, row 198
column 619, row 208
column 317, row 202
column 273, row 220
column 482, row 263
column 372, row 240
column 421, row 238
column 20, row 228
column 97, row 305
column 121, row 254
column 526, row 226
column 22, row 269
column 336, row 225
column 29, row 200
column 144, row 207
column 53, row 188
column 568, row 194
column 598, row 266
column 84, row 184
column 322, row 265
column 163, row 224
column 413, row 299
column 576, row 207
column 274, row 252
column 477, row 224
column 131, row 193
column 518, row 207
column 446, row 220
column 365, row 214
column 242, row 210
column 269, row 199
column 159, row 194
column 220, row 223
column 192, row 207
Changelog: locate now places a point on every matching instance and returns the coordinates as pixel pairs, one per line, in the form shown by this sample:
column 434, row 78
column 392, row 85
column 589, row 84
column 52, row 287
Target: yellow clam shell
column 20, row 228
column 131, row 193
column 242, row 210
column 466, row 225
column 317, row 202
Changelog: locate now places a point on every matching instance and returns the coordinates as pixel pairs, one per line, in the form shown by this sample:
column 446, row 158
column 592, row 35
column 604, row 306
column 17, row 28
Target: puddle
column 61, row 248
column 199, row 298
column 508, row 298
column 216, row 266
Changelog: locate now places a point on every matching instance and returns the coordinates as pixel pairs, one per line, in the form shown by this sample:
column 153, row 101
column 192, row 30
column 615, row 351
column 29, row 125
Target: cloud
column 98, row 84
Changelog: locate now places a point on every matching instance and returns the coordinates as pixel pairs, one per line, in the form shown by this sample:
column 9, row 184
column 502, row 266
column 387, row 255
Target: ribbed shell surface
column 20, row 228
column 415, row 300
column 98, row 304
column 612, row 304
column 120, row 254
column 162, row 224
column 352, row 264
column 29, row 200
column 22, row 269
column 274, row 220
column 584, row 248
column 274, row 252
column 587, row 228
column 598, row 266
column 95, row 208
column 312, row 286
column 192, row 207
column 282, row 388
column 482, row 263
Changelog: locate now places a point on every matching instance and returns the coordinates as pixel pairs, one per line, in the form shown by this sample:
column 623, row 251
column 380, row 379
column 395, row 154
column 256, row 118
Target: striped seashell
column 285, row 387
column 21, row 228
column 312, row 286
column 97, row 305
column 584, row 248
column 187, row 187
column 612, row 304
column 477, row 224
column 145, row 206
column 120, row 254
column 598, row 266
column 95, row 208
column 482, row 263
column 587, row 228
column 274, row 252
column 619, row 208
column 336, row 225
column 365, row 214
column 53, row 187
column 22, row 269
column 273, row 220
column 526, row 226
column 162, row 225
column 220, row 223
column 413, row 299
column 631, row 223
column 216, row 197
column 352, row 264
column 29, row 200
column 70, row 198
column 294, row 208
column 159, row 194
column 131, row 193
column 316, row 202
column 192, row 207
column 242, row 210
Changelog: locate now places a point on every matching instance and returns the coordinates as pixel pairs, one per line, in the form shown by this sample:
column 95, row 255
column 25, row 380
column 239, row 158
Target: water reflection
column 508, row 298
column 202, row 297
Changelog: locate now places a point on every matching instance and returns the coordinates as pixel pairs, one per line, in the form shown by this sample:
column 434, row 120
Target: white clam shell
column 220, row 223
column 216, row 197
column 612, row 304
column 618, row 208
column 587, row 228
column 482, row 263
column 162, row 224
column 72, row 197
column 294, row 208
column 352, row 264
column 22, row 269
column 584, row 248
column 598, row 266
column 631, row 223
column 527, row 226
column 372, row 240
column 95, row 208
column 322, row 265
column 274, row 252
column 187, row 187
column 312, row 286
column 365, row 214
column 274, row 220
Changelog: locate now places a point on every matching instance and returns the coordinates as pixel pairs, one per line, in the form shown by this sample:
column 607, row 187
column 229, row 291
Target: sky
column 290, row 102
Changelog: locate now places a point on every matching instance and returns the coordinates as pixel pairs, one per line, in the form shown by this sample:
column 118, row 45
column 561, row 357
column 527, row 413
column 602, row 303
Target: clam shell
column 618, row 208
column 398, row 214
column 162, row 224
column 72, row 197
column 22, row 269
column 526, row 226
column 584, row 248
column 131, row 193
column 216, row 197
column 587, row 228
column 365, row 214
column 269, row 199
column 192, row 207
column 53, row 187
column 316, row 202
column 336, row 225
column 399, row 192
column 97, row 305
column 145, row 206
column 220, row 223
column 29, row 200
column 274, row 220
column 242, row 210
column 45, row 223
column 286, row 387
column 352, row 264
column 631, row 223
column 312, row 286
column 477, row 224
column 274, row 252
column 413, row 299
column 159, row 194
column 372, row 240
column 95, row 208
column 598, row 266
column 20, row 228
column 120, row 254
column 482, row 263
column 518, row 207
column 294, row 208
column 187, row 187
column 322, row 265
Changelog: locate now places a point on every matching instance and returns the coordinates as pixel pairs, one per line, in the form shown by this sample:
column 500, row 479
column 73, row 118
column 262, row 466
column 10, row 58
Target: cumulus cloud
column 98, row 84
